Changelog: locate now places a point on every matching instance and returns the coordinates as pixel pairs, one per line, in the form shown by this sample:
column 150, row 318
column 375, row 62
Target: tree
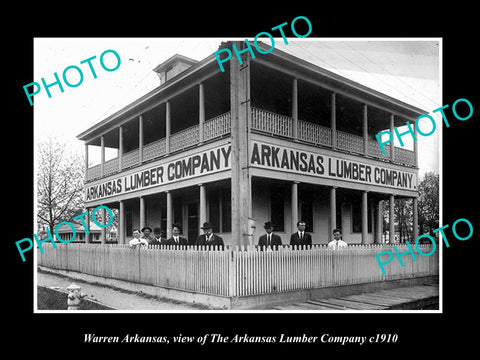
column 403, row 215
column 428, row 202
column 60, row 178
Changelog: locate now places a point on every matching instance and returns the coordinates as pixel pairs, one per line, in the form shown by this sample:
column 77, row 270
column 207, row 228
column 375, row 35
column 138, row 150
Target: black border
column 426, row 333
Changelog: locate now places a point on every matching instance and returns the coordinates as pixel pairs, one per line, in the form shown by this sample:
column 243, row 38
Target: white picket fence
column 238, row 271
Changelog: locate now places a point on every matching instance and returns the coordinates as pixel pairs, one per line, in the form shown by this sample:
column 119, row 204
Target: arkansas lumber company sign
column 266, row 156
column 275, row 157
column 207, row 162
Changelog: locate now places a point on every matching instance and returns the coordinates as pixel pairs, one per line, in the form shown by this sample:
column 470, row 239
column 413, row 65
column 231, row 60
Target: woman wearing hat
column 209, row 238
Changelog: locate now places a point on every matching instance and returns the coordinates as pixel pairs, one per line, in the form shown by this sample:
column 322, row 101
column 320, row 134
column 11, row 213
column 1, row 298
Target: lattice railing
column 404, row 156
column 272, row 123
column 154, row 149
column 350, row 142
column 130, row 159
column 218, row 126
column 184, row 138
column 93, row 172
column 110, row 166
column 314, row 133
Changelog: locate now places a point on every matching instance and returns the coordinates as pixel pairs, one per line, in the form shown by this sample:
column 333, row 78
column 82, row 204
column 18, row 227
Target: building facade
column 275, row 138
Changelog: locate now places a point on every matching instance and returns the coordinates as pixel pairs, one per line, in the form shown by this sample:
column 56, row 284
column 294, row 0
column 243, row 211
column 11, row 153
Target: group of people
column 147, row 239
column 298, row 238
column 209, row 238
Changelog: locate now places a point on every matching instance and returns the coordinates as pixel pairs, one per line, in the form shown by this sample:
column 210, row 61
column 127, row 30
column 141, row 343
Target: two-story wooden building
column 273, row 139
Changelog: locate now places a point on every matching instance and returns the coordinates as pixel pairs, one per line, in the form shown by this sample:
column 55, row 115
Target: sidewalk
column 115, row 298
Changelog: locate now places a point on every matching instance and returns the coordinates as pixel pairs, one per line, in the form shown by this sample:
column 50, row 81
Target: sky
column 406, row 69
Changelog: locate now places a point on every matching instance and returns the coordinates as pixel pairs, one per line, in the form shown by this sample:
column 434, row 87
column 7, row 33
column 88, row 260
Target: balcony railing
column 272, row 123
column 184, row 138
column 212, row 129
column 313, row 133
column 350, row 142
column 154, row 149
column 94, row 172
column 130, row 159
column 280, row 125
column 217, row 127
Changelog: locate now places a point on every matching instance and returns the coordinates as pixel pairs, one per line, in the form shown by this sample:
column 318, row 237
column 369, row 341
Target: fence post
column 231, row 273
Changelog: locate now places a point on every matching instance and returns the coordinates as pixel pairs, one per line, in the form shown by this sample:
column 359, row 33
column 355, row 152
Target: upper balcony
column 274, row 124
column 291, row 105
column 261, row 121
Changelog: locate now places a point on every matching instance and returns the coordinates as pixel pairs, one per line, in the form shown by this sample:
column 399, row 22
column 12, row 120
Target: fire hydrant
column 75, row 297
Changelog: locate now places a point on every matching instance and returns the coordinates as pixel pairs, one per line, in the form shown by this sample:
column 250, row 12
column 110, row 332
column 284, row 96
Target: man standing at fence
column 147, row 234
column 301, row 237
column 209, row 238
column 137, row 240
column 176, row 239
column 269, row 239
column 337, row 242
column 157, row 234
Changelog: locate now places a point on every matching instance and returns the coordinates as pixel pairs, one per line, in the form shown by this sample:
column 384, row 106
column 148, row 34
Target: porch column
column 102, row 155
column 333, row 210
column 392, row 219
column 295, row 108
column 88, row 238
column 203, row 205
column 392, row 118
column 333, row 120
column 415, row 218
column 365, row 129
column 169, row 214
column 294, row 205
column 142, row 212
column 120, row 147
column 167, row 129
column 365, row 217
column 104, row 230
column 140, row 139
column 201, row 111
column 86, row 161
column 240, row 108
column 121, row 222
column 379, row 232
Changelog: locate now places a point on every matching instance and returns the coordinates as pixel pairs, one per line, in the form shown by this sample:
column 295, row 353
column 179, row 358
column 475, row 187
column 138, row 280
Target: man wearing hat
column 176, row 239
column 147, row 234
column 269, row 239
column 208, row 238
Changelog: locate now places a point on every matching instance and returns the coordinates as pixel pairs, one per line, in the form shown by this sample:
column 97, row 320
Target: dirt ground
column 115, row 298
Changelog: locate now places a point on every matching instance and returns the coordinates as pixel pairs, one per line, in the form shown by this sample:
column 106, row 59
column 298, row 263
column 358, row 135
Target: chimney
column 173, row 66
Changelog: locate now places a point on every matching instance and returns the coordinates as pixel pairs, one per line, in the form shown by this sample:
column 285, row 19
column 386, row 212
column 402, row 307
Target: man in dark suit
column 300, row 237
column 209, row 238
column 176, row 239
column 269, row 239
column 159, row 240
